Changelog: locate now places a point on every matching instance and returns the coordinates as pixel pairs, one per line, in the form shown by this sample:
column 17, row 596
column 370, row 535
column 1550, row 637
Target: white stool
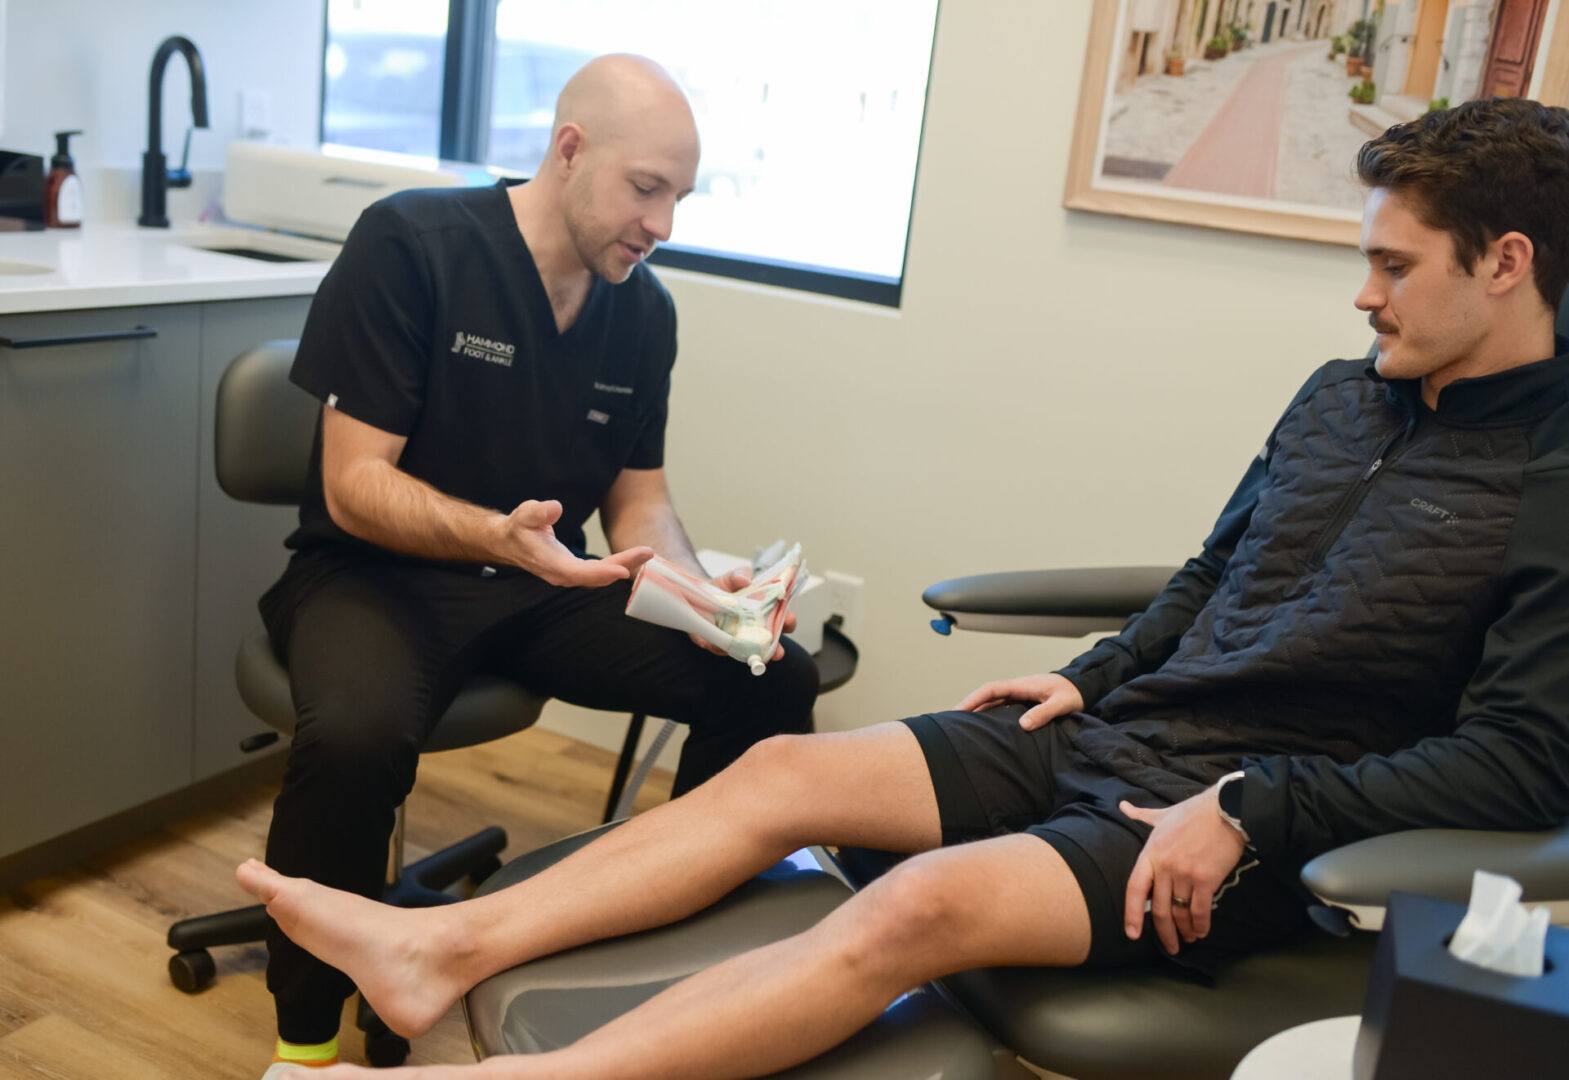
column 1317, row 1051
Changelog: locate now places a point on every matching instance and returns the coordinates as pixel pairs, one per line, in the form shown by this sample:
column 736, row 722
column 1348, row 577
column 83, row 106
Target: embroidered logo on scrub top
column 607, row 388
column 478, row 348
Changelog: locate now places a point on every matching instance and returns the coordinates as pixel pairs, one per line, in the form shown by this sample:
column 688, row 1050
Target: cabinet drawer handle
column 79, row 339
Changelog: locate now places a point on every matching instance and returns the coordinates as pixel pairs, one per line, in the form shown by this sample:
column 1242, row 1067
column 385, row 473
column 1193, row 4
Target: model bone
column 746, row 623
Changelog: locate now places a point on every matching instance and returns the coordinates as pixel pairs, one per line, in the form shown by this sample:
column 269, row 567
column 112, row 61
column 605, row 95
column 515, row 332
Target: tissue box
column 1429, row 1015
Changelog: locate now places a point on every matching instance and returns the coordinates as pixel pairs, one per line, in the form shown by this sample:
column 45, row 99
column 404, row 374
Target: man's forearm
column 657, row 526
column 378, row 502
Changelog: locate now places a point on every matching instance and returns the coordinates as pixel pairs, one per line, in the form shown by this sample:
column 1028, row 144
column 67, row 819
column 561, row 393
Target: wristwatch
column 1229, row 793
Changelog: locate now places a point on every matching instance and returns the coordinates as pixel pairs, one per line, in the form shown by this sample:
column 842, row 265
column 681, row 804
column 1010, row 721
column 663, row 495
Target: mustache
column 1380, row 327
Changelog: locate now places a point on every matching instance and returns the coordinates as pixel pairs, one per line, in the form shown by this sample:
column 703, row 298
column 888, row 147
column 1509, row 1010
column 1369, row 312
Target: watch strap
column 1229, row 796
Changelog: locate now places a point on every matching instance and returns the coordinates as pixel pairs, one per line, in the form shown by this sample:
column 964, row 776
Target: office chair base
column 192, row 971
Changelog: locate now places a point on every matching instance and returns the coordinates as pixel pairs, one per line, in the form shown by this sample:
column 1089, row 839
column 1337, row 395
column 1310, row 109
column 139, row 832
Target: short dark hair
column 1480, row 170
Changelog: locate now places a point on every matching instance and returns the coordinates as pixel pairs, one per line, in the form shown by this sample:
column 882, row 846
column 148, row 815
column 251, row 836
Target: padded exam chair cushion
column 1133, row 1023
column 551, row 1002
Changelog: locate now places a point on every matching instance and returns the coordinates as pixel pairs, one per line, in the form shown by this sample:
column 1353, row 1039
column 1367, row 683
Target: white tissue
column 1498, row 933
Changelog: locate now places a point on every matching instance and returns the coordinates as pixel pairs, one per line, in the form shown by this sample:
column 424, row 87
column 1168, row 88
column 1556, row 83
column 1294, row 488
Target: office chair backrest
column 264, row 427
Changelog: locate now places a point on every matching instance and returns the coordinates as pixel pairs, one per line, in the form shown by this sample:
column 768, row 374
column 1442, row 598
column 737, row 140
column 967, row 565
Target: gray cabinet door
column 97, row 548
column 240, row 548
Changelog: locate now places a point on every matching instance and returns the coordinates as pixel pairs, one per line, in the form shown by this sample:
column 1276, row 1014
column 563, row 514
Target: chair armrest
column 1056, row 603
column 1440, row 862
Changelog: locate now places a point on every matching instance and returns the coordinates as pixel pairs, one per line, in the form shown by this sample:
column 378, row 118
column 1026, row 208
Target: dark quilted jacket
column 1377, row 629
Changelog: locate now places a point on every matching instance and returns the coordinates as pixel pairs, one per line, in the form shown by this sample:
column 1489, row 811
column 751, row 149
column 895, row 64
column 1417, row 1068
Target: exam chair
column 265, row 428
column 1142, row 1022
column 1138, row 1023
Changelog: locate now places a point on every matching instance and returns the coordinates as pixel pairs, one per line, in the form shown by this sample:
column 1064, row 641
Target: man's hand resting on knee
column 1055, row 696
column 1191, row 851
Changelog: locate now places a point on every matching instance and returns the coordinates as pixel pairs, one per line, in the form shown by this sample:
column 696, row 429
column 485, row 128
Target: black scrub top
column 433, row 323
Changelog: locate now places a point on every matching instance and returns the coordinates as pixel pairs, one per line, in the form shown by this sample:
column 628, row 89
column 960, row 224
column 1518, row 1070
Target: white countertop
column 124, row 265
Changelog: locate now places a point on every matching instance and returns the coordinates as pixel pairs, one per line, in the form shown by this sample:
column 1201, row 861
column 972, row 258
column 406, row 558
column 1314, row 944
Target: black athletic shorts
column 993, row 778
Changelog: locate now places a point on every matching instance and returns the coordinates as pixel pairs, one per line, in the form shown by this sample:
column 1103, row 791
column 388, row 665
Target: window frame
column 464, row 135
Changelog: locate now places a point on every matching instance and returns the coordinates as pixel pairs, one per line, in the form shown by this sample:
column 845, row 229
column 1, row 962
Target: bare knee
column 772, row 767
column 769, row 786
column 903, row 925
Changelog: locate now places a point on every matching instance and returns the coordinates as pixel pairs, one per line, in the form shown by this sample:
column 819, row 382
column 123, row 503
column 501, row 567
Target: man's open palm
column 532, row 544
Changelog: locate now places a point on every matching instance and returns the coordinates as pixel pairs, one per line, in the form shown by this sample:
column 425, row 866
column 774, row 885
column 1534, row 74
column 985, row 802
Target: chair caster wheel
column 478, row 875
column 385, row 1049
column 192, row 971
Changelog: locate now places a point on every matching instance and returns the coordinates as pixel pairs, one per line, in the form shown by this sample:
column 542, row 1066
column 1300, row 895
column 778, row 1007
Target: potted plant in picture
column 1358, row 38
column 1239, row 38
column 1175, row 62
column 1364, row 92
column 1337, row 45
column 1217, row 47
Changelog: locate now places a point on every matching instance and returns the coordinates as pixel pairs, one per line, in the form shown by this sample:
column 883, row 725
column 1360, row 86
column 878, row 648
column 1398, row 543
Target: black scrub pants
column 378, row 647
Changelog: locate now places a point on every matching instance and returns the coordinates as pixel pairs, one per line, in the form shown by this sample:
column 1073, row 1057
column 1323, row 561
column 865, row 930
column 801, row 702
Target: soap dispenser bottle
column 63, row 194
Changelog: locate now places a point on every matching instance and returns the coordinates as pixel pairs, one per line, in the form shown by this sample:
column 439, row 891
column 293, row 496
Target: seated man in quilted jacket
column 1375, row 637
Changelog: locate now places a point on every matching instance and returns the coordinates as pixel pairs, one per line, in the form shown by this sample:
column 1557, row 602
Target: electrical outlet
column 255, row 115
column 844, row 600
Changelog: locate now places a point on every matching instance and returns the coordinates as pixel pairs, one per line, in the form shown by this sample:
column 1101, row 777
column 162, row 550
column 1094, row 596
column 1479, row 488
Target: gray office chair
column 265, row 427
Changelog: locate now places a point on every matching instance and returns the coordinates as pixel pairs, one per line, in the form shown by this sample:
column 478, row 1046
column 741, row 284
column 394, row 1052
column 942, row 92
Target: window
column 382, row 74
column 810, row 112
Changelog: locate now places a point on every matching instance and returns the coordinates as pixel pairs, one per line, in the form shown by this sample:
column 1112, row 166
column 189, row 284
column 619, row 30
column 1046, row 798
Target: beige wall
column 1058, row 389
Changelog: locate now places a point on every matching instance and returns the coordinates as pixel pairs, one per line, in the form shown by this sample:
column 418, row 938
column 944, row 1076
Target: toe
column 258, row 880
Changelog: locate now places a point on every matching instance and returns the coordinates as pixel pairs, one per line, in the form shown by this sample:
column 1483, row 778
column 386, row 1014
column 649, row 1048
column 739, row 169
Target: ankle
column 453, row 942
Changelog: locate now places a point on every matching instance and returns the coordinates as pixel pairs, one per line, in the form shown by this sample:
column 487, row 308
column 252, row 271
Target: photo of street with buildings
column 1270, row 99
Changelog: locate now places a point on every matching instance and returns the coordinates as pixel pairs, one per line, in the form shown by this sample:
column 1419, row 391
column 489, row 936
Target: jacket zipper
column 1387, row 453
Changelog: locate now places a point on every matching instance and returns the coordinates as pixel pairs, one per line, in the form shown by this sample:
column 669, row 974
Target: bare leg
column 868, row 787
column 1006, row 901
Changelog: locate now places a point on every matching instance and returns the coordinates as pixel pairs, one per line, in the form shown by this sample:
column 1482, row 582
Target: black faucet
column 157, row 177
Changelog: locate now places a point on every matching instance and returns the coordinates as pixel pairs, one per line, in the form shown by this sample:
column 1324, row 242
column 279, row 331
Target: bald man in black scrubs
column 495, row 366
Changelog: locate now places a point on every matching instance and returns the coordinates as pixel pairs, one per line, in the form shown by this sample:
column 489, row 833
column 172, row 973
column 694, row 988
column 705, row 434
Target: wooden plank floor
column 83, row 989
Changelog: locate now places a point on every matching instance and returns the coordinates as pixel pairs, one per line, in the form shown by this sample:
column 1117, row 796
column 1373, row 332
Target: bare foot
column 405, row 961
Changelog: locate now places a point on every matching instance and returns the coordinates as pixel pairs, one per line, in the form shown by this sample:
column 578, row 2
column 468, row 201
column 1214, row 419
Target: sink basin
column 257, row 245
column 8, row 268
column 258, row 254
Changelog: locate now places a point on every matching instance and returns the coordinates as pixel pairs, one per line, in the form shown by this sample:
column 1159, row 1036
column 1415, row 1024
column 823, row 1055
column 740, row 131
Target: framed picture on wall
column 1247, row 114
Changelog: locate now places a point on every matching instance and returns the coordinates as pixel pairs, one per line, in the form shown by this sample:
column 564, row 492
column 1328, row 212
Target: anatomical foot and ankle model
column 746, row 624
